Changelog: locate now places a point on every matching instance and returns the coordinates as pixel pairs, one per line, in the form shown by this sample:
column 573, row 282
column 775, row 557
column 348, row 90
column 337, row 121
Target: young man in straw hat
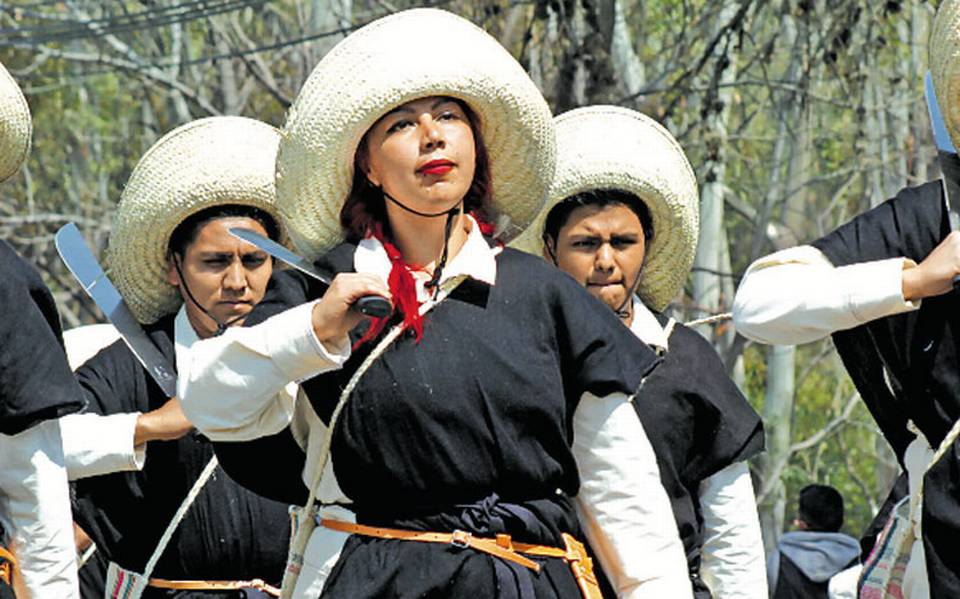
column 36, row 387
column 469, row 427
column 621, row 219
column 185, row 277
column 883, row 286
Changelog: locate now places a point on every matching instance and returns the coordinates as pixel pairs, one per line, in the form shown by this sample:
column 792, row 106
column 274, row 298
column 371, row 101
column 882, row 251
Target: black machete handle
column 380, row 307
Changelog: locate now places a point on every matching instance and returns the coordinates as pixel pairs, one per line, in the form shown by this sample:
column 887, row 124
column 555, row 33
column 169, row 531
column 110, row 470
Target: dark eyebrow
column 441, row 102
column 206, row 255
column 403, row 108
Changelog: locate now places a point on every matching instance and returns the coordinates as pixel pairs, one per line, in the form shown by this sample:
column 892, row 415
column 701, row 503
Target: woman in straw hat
column 465, row 425
column 184, row 277
column 622, row 219
column 883, row 286
column 36, row 387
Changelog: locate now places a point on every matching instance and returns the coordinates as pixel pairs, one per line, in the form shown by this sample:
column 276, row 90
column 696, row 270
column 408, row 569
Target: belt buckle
column 460, row 539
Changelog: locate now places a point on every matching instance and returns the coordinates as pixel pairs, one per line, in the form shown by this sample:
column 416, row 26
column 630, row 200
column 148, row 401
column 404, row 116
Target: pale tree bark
column 707, row 283
column 627, row 66
column 777, row 413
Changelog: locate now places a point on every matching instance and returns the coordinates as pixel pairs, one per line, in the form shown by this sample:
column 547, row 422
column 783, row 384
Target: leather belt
column 502, row 546
column 215, row 585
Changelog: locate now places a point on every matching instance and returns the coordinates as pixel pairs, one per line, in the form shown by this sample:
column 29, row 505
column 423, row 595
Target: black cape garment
column 698, row 423
column 468, row 429
column 36, row 383
column 919, row 351
column 229, row 533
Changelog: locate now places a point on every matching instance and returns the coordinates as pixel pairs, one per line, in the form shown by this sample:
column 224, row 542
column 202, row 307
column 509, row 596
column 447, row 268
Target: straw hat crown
column 15, row 126
column 609, row 147
column 208, row 162
column 410, row 55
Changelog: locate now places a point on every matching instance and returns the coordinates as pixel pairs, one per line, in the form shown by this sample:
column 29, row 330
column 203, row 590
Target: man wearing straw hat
column 621, row 218
column 36, row 387
column 883, row 286
column 181, row 527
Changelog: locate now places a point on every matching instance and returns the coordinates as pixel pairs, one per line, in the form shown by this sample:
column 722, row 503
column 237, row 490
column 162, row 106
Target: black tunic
column 471, row 429
column 229, row 533
column 698, row 423
column 920, row 352
column 36, row 383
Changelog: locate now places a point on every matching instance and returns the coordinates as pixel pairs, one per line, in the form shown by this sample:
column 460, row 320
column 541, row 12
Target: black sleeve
column 728, row 430
column 598, row 353
column 36, row 382
column 269, row 466
column 114, row 382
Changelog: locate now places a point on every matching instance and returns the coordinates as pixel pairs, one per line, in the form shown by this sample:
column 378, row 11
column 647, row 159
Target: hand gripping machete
column 371, row 305
column 83, row 264
column 947, row 157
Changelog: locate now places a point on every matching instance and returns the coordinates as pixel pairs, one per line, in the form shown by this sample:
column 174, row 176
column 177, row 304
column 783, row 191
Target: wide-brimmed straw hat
column 410, row 55
column 944, row 58
column 15, row 126
column 608, row 147
column 209, row 162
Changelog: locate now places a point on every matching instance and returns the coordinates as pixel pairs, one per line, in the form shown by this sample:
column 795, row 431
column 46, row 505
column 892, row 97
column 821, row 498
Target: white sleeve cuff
column 624, row 509
column 875, row 289
column 95, row 444
column 733, row 563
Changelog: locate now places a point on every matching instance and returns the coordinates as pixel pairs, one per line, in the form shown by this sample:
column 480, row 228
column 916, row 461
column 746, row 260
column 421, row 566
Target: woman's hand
column 933, row 276
column 166, row 423
column 333, row 316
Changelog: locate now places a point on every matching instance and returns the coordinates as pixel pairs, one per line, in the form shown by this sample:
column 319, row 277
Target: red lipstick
column 436, row 167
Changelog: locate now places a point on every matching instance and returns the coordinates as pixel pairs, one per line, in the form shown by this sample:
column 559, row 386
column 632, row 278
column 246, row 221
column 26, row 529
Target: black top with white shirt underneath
column 469, row 429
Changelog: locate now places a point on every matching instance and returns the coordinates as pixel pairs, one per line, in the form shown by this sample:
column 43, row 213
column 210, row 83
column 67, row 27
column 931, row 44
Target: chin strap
column 221, row 326
column 451, row 214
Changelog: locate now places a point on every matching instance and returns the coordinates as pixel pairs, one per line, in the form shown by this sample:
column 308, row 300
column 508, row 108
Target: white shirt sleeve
column 95, row 444
column 733, row 564
column 796, row 296
column 623, row 507
column 246, row 370
column 35, row 510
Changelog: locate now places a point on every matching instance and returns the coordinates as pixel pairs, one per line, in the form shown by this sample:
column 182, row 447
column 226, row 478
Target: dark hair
column 186, row 232
column 600, row 198
column 365, row 206
column 821, row 508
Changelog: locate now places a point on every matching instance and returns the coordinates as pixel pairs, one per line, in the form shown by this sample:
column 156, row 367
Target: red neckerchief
column 403, row 288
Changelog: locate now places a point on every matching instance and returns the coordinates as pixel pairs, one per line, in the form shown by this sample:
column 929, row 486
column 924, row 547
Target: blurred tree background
column 796, row 115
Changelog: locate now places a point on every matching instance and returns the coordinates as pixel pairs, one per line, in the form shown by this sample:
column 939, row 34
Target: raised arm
column 246, row 368
column 797, row 296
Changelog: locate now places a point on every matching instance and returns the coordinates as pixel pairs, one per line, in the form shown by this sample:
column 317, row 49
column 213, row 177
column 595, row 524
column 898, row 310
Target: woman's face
column 603, row 249
column 227, row 276
column 422, row 154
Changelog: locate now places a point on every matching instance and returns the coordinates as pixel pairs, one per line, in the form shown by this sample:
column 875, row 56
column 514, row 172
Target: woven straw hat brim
column 16, row 126
column 609, row 147
column 944, row 58
column 208, row 162
column 409, row 55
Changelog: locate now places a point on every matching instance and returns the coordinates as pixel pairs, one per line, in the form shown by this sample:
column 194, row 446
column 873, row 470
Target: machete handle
column 380, row 307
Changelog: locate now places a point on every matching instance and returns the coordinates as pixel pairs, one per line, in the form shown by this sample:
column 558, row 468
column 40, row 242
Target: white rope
column 710, row 319
column 179, row 515
column 307, row 520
